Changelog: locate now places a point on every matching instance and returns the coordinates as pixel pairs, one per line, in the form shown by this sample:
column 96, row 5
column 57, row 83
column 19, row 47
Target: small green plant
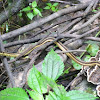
column 92, row 49
column 52, row 7
column 66, row 71
column 94, row 10
column 44, row 82
column 31, row 11
column 76, row 65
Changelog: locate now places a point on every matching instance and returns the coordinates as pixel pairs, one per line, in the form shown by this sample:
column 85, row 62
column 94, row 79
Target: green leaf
column 11, row 58
column 36, row 81
column 36, row 11
column 35, row 95
column 55, row 4
column 30, row 15
column 20, row 14
column 79, row 95
column 94, row 10
column 40, row 9
column 49, row 4
column 58, row 94
column 52, row 66
column 4, row 42
column 34, row 4
column 56, row 9
column 59, row 91
column 30, row 4
column 53, row 9
column 66, row 71
column 47, row 7
column 93, row 49
column 93, row 46
column 87, row 58
column 76, row 65
column 26, row 9
column 13, row 94
column 51, row 96
column 39, row 82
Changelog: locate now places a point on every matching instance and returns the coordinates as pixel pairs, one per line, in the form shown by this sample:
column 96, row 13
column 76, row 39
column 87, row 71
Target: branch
column 42, row 21
column 12, row 9
column 81, row 36
column 37, row 38
column 6, row 64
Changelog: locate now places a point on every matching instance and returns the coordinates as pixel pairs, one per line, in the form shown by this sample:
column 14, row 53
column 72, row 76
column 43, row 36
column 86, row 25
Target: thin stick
column 6, row 65
column 79, row 74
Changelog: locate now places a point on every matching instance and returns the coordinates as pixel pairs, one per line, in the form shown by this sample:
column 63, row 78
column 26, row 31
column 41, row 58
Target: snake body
column 61, row 46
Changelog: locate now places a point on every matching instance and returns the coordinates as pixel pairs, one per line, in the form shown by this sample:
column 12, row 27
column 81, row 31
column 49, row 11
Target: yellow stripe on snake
column 61, row 46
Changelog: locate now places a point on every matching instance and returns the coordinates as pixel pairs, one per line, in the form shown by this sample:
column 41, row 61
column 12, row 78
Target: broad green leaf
column 36, row 11
column 55, row 4
column 30, row 15
column 58, row 94
column 40, row 9
column 93, row 49
column 36, row 81
column 34, row 4
column 59, row 90
column 13, row 94
column 52, row 66
column 49, row 4
column 35, row 95
column 53, row 9
column 51, row 96
column 87, row 58
column 93, row 46
column 39, row 82
column 47, row 7
column 76, row 65
column 80, row 95
column 26, row 9
column 56, row 9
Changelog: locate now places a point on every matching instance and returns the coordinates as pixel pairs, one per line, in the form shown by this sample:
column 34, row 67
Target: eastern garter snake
column 61, row 46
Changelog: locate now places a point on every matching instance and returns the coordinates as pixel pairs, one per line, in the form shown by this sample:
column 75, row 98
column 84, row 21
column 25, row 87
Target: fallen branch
column 12, row 9
column 6, row 64
column 32, row 40
column 42, row 21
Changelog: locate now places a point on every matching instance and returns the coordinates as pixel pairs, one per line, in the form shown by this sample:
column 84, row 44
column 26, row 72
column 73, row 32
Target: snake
column 61, row 46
